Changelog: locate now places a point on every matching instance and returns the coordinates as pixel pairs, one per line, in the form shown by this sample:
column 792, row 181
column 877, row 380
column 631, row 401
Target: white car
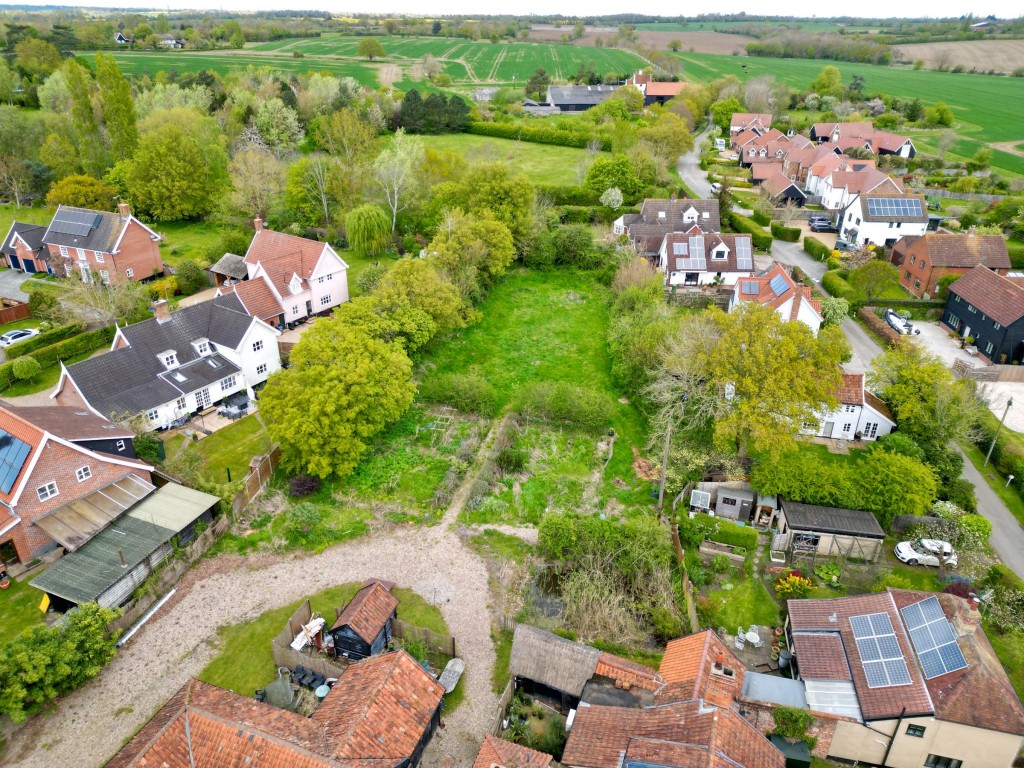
column 900, row 324
column 716, row 188
column 13, row 337
column 926, row 552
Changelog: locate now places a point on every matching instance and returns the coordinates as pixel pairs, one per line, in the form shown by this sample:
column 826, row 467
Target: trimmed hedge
column 564, row 195
column 834, row 285
column 53, row 354
column 761, row 218
column 538, row 134
column 833, row 264
column 786, row 234
column 45, row 339
column 762, row 240
column 591, row 214
column 816, row 248
column 722, row 531
column 911, row 303
column 879, row 326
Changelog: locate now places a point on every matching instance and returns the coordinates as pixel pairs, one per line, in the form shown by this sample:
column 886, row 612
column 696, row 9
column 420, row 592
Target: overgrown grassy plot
column 19, row 609
column 544, row 164
column 151, row 62
column 245, row 662
column 549, row 326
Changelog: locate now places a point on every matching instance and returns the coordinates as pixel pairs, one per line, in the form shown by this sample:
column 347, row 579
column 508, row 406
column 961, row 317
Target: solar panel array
column 894, row 206
column 696, row 262
column 879, row 651
column 13, row 453
column 933, row 638
column 744, row 254
column 778, row 285
column 750, row 287
column 75, row 223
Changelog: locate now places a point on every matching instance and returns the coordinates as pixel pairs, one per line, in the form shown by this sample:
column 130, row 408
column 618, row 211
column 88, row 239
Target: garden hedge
column 565, row 195
column 909, row 303
column 784, row 233
column 62, row 350
column 538, row 134
column 723, row 531
column 879, row 326
column 45, row 339
column 762, row 240
column 816, row 248
column 834, row 284
column 591, row 214
column 761, row 218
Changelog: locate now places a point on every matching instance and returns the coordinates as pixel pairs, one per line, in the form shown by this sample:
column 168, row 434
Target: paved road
column 10, row 284
column 1007, row 538
column 695, row 179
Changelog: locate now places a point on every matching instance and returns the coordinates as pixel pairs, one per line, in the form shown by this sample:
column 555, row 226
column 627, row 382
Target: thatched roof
column 551, row 660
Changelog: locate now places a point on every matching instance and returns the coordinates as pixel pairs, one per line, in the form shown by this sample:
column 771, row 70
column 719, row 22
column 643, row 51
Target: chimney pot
column 162, row 311
column 258, row 223
column 124, row 209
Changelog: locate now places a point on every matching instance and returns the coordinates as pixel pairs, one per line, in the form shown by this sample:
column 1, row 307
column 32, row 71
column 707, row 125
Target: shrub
column 761, row 218
column 762, row 240
column 371, row 276
column 538, row 134
column 816, row 248
column 559, row 195
column 163, row 288
column 784, row 233
column 890, row 579
column 667, row 626
column 958, row 588
column 832, row 263
column 566, row 404
column 466, row 392
column 303, row 485
column 791, row 722
column 45, row 339
column 873, row 321
column 693, row 532
column 792, row 586
column 43, row 305
column 26, row 368
column 191, row 278
column 961, row 493
column 720, row 563
column 834, row 284
column 511, row 459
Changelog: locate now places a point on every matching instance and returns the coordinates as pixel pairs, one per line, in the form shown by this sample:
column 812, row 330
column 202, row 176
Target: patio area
column 759, row 643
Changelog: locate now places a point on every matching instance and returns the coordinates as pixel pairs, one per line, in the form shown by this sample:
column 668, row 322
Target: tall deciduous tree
column 495, row 188
column 92, row 148
column 312, row 188
column 395, row 171
column 875, row 278
column 93, row 302
column 414, row 287
column 371, row 49
column 82, row 192
column 342, row 388
column 472, row 252
column 118, row 107
column 257, row 180
column 368, row 229
column 349, row 139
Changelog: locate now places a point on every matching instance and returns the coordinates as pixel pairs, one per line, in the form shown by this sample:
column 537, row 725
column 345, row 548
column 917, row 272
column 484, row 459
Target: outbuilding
column 365, row 626
column 814, row 532
column 734, row 504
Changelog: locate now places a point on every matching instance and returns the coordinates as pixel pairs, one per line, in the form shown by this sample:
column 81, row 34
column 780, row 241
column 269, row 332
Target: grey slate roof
column 809, row 517
column 30, row 233
column 100, row 237
column 230, row 265
column 580, row 94
column 133, row 378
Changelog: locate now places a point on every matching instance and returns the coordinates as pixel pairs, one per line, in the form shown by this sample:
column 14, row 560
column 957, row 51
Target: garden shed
column 112, row 564
column 734, row 504
column 814, row 532
column 365, row 626
column 551, row 667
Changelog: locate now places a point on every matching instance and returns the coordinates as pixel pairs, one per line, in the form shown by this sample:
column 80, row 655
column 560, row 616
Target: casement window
column 871, row 429
column 153, row 415
column 203, row 347
column 727, row 502
column 849, row 409
column 129, row 272
column 997, row 326
column 915, row 730
column 99, row 258
column 257, row 345
column 179, row 404
column 989, row 349
column 847, row 427
column 83, row 473
column 228, row 383
column 47, row 491
column 63, row 251
column 913, row 258
column 907, row 275
column 325, row 300
column 953, row 322
column 938, row 761
column 295, row 309
column 170, row 360
column 80, row 253
column 917, row 284
column 120, row 445
column 261, row 369
column 972, row 309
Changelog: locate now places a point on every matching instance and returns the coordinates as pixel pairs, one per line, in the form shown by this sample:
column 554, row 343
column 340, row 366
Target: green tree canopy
column 368, row 229
column 82, row 192
column 722, row 112
column 829, row 82
column 472, row 252
column 614, row 171
column 414, row 292
column 190, row 276
column 118, row 107
column 494, row 187
column 875, row 278
column 342, row 388
column 371, row 49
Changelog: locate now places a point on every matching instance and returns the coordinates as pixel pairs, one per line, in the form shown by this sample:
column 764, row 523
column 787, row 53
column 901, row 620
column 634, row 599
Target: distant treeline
column 834, row 47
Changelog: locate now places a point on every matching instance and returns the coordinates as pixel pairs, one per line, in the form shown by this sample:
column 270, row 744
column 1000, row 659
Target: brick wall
column 759, row 715
column 138, row 252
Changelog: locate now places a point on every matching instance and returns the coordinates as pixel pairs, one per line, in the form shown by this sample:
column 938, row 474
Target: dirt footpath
column 90, row 725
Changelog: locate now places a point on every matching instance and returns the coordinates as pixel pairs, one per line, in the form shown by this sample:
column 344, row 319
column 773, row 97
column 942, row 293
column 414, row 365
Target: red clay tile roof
column 858, row 129
column 800, row 294
column 851, row 392
column 256, row 297
column 868, row 180
column 665, row 89
column 744, row 137
column 686, row 667
column 821, row 657
column 778, row 182
column 890, row 142
column 755, row 119
column 980, row 695
column 69, row 423
column 875, row 703
column 963, row 251
column 637, row 675
column 495, row 751
column 688, row 734
column 380, row 708
column 872, row 400
column 282, row 255
column 368, row 611
column 762, row 171
column 997, row 297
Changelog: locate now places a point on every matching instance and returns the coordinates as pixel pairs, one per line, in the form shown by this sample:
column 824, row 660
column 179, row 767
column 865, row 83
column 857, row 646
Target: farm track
column 492, row 76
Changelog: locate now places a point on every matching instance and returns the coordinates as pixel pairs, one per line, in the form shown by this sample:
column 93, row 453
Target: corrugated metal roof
column 77, row 521
column 85, row 574
column 774, row 689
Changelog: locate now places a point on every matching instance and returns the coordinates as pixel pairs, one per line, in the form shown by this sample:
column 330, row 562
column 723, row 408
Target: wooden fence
column 701, row 299
column 261, row 468
column 443, row 644
column 286, row 656
column 691, row 606
column 992, row 372
column 13, row 310
column 499, row 713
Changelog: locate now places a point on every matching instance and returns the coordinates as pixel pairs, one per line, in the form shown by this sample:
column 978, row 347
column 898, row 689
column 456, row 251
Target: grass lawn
column 492, row 543
column 748, row 602
column 19, row 609
column 548, row 326
column 9, row 214
column 1009, row 496
column 544, row 164
column 196, row 240
column 1009, row 648
column 245, row 662
column 232, row 447
column 28, row 322
column 46, row 379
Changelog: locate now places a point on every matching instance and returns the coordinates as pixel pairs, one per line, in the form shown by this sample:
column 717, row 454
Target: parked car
column 819, row 220
column 926, row 552
column 13, row 337
column 823, row 226
column 900, row 324
column 846, row 245
column 716, row 188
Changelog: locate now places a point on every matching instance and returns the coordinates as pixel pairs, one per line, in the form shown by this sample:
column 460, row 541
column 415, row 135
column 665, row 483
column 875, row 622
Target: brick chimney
column 258, row 223
column 124, row 209
column 162, row 311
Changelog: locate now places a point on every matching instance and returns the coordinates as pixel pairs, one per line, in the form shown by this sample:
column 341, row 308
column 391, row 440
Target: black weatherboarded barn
column 988, row 308
column 365, row 626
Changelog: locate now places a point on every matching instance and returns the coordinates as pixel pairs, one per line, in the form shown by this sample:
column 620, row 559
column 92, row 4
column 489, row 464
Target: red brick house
column 23, row 248
column 925, row 259
column 51, row 460
column 114, row 246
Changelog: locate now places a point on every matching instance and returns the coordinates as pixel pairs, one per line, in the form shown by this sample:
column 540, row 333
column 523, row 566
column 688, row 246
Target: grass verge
column 1009, row 496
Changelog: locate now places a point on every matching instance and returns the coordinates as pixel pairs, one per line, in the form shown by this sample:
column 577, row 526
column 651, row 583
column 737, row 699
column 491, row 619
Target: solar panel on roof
column 933, row 638
column 894, row 206
column 744, row 256
column 879, row 651
column 75, row 223
column 13, row 453
column 778, row 285
column 750, row 287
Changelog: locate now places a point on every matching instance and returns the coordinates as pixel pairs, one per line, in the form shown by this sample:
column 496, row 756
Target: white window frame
column 48, row 490
column 257, row 345
column 180, row 404
column 325, row 300
column 153, row 414
column 129, row 272
column 228, row 382
column 170, row 360
column 64, row 251
column 83, row 473
column 847, row 427
column 80, row 253
column 120, row 445
column 99, row 258
column 104, row 276
column 261, row 369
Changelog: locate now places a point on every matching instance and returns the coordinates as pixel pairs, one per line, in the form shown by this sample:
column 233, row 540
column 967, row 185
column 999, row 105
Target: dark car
column 846, row 245
column 823, row 226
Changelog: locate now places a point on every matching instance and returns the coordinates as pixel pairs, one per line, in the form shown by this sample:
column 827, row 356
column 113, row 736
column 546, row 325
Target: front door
column 309, row 308
column 829, row 426
column 85, row 272
column 203, row 398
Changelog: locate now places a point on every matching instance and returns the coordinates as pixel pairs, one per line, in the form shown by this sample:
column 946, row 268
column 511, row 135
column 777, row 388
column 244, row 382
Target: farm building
column 113, row 563
column 810, row 531
column 988, row 308
column 578, row 98
column 364, row 627
column 924, row 260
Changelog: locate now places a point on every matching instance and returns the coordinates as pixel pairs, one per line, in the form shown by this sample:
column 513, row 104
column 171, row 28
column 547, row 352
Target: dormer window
column 169, row 359
column 295, row 286
column 202, row 346
column 719, row 253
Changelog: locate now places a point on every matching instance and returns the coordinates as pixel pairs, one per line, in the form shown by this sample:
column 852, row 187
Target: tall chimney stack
column 162, row 311
column 124, row 209
column 258, row 223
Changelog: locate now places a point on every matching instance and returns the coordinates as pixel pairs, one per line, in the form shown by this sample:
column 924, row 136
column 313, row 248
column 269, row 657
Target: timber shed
column 364, row 628
column 814, row 531
column 550, row 666
column 111, row 565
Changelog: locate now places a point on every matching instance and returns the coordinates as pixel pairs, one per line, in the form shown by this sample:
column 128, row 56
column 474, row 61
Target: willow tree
column 368, row 229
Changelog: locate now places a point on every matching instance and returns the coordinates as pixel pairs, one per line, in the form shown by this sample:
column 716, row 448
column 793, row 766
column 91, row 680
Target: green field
column 544, row 164
column 479, row 61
